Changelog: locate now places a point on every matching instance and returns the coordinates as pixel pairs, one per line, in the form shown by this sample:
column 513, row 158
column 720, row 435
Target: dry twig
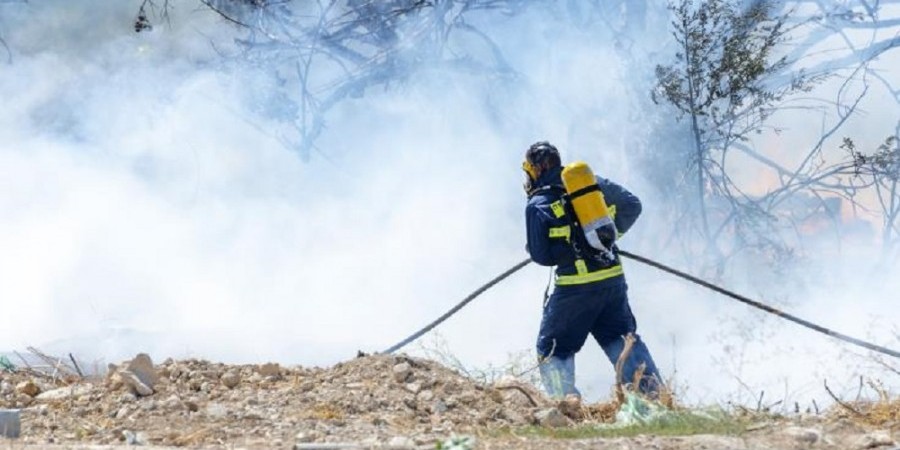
column 843, row 404
column 523, row 391
column 620, row 363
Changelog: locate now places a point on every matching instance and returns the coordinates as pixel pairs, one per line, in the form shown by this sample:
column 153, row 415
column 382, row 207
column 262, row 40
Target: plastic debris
column 637, row 410
column 10, row 423
column 457, row 443
column 7, row 365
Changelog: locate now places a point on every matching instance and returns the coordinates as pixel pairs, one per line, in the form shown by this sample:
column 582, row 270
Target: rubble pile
column 377, row 401
column 374, row 399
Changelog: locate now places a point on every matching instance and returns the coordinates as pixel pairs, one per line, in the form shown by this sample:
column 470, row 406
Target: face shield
column 531, row 175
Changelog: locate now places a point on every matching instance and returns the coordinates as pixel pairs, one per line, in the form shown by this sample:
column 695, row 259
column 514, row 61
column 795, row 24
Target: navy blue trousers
column 601, row 310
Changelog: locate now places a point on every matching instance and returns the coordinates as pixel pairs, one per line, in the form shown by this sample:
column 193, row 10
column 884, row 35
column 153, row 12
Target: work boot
column 649, row 383
column 558, row 377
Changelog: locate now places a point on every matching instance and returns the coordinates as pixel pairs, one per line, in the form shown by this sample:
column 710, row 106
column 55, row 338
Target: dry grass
column 324, row 411
column 883, row 411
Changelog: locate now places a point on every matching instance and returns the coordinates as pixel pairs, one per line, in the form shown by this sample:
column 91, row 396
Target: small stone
column 231, row 379
column 28, row 388
column 114, row 382
column 121, row 413
column 880, row 438
column 369, row 442
column 425, row 396
column 148, row 406
column 64, row 393
column 439, row 407
column 413, row 387
column 24, row 400
column 142, row 367
column 172, row 403
column 191, row 405
column 805, row 435
column 516, row 398
column 132, row 438
column 401, row 441
column 401, row 372
column 304, row 437
column 757, row 426
column 551, row 417
column 515, row 417
column 270, row 370
column 6, row 388
column 134, row 382
column 216, row 411
column 571, row 407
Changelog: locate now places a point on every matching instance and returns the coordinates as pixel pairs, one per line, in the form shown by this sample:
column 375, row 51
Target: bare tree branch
column 8, row 51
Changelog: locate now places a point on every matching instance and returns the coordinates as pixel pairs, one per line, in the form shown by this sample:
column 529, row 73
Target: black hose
column 458, row 306
column 762, row 306
column 664, row 268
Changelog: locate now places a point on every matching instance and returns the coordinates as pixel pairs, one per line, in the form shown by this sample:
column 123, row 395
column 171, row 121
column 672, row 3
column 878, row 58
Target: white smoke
column 145, row 207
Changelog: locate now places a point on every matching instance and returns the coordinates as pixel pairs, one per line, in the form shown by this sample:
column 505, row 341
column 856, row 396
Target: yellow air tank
column 589, row 205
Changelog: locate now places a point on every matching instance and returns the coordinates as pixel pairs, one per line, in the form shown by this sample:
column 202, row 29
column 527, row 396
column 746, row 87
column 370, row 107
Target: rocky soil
column 372, row 402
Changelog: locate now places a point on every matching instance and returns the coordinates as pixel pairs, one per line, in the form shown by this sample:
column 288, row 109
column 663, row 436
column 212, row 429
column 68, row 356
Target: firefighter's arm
column 538, row 236
column 627, row 205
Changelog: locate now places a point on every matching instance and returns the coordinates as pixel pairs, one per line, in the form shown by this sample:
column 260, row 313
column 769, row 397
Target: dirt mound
column 369, row 399
column 379, row 400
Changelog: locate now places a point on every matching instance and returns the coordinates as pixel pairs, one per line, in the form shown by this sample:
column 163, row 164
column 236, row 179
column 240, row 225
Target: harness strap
column 585, row 190
column 562, row 208
column 581, row 267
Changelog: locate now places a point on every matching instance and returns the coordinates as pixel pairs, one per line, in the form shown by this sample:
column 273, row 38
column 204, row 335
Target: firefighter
column 590, row 293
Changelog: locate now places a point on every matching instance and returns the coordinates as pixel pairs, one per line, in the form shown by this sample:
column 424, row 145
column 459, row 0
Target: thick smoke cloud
column 145, row 206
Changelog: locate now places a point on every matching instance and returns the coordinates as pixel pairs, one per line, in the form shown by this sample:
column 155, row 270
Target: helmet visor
column 530, row 177
column 530, row 170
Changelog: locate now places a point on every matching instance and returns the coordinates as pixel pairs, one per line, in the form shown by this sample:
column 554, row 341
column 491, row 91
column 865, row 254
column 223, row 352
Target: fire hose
column 756, row 304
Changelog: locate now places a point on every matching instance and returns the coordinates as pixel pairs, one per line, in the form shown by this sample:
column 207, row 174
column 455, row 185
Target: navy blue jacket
column 540, row 218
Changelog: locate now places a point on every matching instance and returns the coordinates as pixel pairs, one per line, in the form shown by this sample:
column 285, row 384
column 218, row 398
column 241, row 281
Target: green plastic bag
column 6, row 364
column 457, row 443
column 636, row 410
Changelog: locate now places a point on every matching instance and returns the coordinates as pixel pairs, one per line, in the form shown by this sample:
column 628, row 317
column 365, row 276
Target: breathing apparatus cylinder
column 590, row 206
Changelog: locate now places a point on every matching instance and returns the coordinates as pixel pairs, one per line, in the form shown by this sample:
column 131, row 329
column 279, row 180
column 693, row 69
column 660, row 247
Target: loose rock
column 875, row 439
column 805, row 435
column 270, row 370
column 551, row 417
column 401, row 372
column 231, row 379
column 29, row 388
